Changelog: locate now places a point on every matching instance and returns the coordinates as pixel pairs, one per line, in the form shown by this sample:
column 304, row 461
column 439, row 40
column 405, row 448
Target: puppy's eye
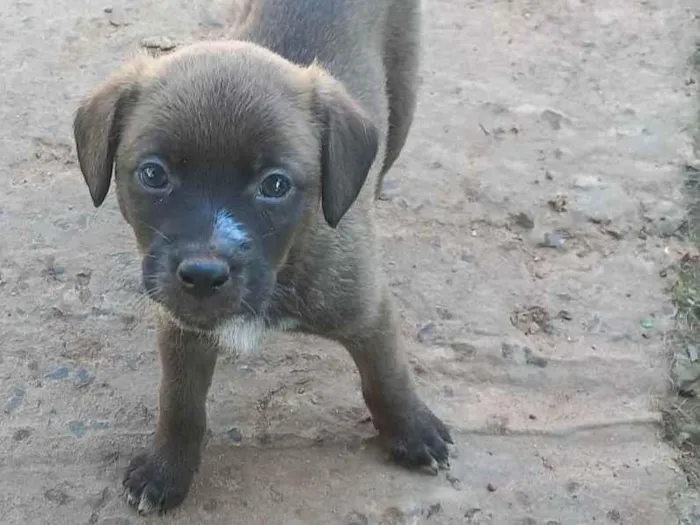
column 275, row 186
column 153, row 175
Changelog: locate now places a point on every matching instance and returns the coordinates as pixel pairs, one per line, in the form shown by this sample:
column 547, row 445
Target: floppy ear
column 98, row 124
column 349, row 144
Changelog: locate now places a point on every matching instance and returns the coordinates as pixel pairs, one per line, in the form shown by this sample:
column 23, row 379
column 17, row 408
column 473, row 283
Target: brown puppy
column 248, row 171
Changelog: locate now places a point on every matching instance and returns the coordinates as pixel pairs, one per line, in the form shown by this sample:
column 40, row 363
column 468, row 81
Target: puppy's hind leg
column 401, row 62
column 416, row 436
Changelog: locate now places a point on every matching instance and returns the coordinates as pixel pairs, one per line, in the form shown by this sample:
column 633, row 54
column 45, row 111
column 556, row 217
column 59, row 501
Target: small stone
column 572, row 487
column 448, row 391
column 83, row 378
column 444, row 313
column 532, row 417
column 490, row 487
column 58, row 373
column 565, row 315
column 535, row 360
column 471, row 516
column 434, row 509
column 234, row 434
column 57, row 496
column 427, row 333
column 553, row 240
column 158, row 43
column 83, row 277
column 524, row 220
column 614, row 516
column 524, row 318
column 21, row 434
column 210, row 506
column 246, row 371
column 467, row 258
column 553, row 118
column 14, row 400
column 77, row 428
column 56, row 312
column 513, row 352
column 558, row 204
column 646, row 324
column 276, row 495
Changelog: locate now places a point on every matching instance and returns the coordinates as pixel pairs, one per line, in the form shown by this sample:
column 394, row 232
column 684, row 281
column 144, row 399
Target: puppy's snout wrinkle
column 203, row 276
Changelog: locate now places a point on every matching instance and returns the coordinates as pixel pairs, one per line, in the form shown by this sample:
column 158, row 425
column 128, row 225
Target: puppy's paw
column 420, row 440
column 154, row 485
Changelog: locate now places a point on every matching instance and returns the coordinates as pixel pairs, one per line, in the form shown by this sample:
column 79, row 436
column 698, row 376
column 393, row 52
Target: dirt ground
column 527, row 229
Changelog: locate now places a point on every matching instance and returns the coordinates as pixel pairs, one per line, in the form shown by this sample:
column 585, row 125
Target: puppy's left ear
column 349, row 144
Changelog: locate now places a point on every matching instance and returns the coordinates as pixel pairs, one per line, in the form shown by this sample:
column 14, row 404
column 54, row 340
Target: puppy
column 247, row 170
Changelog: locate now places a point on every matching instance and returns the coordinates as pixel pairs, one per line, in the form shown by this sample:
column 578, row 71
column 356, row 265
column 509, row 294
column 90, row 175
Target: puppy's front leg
column 159, row 479
column 417, row 437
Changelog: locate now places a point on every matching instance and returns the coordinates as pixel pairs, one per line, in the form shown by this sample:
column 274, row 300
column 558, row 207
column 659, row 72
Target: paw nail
column 433, row 467
column 145, row 506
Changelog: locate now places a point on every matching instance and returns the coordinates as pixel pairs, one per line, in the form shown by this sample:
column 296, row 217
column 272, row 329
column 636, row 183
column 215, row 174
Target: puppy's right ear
column 98, row 124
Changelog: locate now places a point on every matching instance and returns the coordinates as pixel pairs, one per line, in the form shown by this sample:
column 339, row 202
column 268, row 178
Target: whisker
column 250, row 308
column 157, row 232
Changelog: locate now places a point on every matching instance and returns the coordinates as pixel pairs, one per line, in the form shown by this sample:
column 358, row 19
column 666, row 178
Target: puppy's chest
column 245, row 337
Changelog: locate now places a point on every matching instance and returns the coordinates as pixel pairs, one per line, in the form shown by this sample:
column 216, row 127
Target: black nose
column 203, row 275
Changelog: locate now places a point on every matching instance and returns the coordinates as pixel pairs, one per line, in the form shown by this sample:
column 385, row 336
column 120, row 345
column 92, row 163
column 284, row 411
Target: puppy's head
column 222, row 154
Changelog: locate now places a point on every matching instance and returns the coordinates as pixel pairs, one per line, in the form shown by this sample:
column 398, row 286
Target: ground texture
column 529, row 229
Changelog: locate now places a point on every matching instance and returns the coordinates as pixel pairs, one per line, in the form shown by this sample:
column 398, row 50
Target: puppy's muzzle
column 203, row 276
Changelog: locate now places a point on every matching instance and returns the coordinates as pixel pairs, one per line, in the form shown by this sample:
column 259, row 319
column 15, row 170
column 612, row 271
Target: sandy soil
column 526, row 230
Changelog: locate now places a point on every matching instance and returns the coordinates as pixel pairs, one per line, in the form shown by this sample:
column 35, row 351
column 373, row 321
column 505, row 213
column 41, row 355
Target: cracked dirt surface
column 525, row 230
